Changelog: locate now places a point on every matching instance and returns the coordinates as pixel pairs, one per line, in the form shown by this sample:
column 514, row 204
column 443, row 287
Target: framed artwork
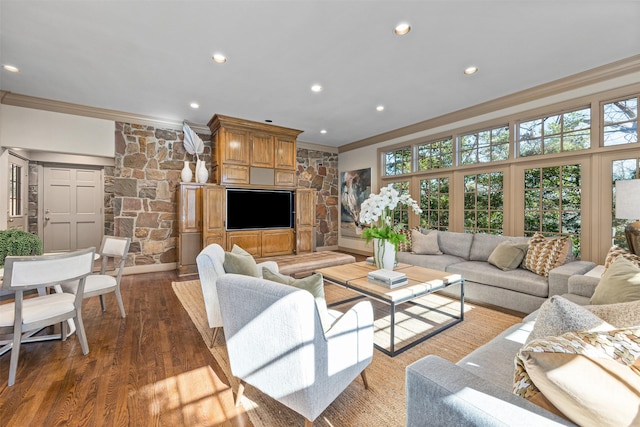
column 355, row 187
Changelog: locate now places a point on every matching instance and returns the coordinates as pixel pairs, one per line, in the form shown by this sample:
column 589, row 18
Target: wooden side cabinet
column 214, row 213
column 189, row 227
column 305, row 219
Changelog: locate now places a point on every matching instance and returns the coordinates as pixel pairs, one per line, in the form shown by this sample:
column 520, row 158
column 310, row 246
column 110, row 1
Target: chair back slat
column 36, row 271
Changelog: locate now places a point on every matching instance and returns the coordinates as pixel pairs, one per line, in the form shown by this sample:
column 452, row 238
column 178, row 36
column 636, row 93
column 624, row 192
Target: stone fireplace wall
column 140, row 190
column 319, row 170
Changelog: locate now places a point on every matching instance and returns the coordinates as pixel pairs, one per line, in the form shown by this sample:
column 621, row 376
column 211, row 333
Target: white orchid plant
column 192, row 142
column 377, row 211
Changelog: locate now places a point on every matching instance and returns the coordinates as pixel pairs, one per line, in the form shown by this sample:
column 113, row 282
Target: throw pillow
column 558, row 315
column 239, row 261
column 425, row 244
column 543, row 255
column 588, row 376
column 508, row 255
column 620, row 315
column 616, row 252
column 313, row 284
column 619, row 283
column 405, row 246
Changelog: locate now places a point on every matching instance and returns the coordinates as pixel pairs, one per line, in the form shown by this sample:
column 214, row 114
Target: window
column 487, row 146
column 620, row 122
column 484, row 203
column 552, row 202
column 15, row 190
column 568, row 131
column 397, row 162
column 436, row 154
column 434, row 201
column 401, row 213
column 621, row 170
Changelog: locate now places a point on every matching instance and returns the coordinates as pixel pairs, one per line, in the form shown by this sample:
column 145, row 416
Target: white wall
column 367, row 156
column 40, row 130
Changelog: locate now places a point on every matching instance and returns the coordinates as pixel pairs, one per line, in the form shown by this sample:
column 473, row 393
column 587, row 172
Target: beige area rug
column 384, row 402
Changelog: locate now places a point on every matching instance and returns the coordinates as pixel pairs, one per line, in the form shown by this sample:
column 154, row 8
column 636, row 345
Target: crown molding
column 316, row 147
column 18, row 100
column 596, row 75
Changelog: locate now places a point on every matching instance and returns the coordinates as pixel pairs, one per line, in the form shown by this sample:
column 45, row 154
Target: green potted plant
column 377, row 212
column 19, row 243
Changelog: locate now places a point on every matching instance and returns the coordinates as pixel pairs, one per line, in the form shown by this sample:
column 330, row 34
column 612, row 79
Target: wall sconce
column 628, row 207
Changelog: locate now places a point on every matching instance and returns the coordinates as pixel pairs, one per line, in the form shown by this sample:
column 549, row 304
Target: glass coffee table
column 421, row 282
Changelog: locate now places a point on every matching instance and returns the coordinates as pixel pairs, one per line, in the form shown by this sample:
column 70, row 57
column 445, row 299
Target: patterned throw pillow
column 545, row 254
column 573, row 369
column 405, row 246
column 617, row 251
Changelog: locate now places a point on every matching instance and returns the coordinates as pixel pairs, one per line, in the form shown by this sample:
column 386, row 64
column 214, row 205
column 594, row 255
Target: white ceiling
column 154, row 57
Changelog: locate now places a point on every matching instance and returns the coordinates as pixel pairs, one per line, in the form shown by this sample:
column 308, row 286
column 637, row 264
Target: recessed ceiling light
column 470, row 70
column 316, row 88
column 219, row 58
column 194, row 105
column 323, row 131
column 380, row 108
column 402, row 29
column 11, row 68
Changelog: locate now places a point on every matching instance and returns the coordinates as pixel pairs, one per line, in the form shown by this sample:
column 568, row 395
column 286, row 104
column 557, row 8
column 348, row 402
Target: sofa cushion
column 436, row 262
column 425, row 244
column 313, row 284
column 239, row 261
column 508, row 255
column 618, row 252
column 621, row 315
column 457, row 244
column 558, row 315
column 572, row 371
column 518, row 280
column 619, row 283
column 545, row 254
column 484, row 244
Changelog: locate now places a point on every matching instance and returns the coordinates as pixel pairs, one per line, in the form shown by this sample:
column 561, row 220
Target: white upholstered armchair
column 299, row 364
column 210, row 267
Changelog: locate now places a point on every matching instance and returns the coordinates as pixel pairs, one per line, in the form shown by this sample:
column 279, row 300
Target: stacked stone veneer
column 319, row 170
column 140, row 190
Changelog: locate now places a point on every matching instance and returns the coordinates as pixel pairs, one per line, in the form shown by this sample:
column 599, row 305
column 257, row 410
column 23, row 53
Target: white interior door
column 72, row 208
column 18, row 195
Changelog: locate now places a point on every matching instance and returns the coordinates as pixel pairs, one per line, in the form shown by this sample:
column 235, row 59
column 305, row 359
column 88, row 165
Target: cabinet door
column 305, row 219
column 261, row 150
column 277, row 242
column 190, row 208
column 250, row 241
column 285, row 155
column 214, row 214
column 235, row 147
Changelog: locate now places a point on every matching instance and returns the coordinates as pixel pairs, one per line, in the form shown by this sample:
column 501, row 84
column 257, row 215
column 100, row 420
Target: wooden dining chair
column 24, row 315
column 112, row 248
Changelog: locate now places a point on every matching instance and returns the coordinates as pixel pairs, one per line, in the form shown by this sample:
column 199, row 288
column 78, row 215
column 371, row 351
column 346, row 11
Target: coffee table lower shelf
column 418, row 287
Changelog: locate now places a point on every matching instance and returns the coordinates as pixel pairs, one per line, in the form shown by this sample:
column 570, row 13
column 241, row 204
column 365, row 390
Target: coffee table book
column 388, row 278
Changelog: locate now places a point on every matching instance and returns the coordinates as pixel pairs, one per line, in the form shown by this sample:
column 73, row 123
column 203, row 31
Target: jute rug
column 384, row 402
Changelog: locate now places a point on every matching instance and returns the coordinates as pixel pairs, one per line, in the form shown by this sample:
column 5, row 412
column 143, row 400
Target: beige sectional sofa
column 467, row 254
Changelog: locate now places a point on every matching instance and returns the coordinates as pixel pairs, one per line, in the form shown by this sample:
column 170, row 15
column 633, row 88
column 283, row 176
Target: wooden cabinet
column 214, row 214
column 263, row 243
column 189, row 227
column 305, row 219
column 240, row 146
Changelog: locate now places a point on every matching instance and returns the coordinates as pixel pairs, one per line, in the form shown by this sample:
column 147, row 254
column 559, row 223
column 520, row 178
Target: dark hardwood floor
column 150, row 369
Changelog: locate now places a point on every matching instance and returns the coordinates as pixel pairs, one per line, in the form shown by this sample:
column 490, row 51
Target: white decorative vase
column 202, row 173
column 186, row 175
column 384, row 254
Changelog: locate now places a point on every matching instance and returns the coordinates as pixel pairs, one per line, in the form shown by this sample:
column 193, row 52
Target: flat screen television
column 255, row 209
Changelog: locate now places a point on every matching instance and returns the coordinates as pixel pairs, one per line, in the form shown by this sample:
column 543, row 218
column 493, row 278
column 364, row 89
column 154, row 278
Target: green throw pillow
column 508, row 255
column 313, row 284
column 239, row 261
column 619, row 283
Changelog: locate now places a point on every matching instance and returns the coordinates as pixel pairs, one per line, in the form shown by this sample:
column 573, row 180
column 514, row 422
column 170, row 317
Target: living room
column 139, row 153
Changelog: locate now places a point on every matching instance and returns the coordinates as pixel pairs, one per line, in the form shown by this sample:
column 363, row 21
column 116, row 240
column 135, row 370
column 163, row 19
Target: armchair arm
column 350, row 338
column 559, row 276
column 440, row 393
